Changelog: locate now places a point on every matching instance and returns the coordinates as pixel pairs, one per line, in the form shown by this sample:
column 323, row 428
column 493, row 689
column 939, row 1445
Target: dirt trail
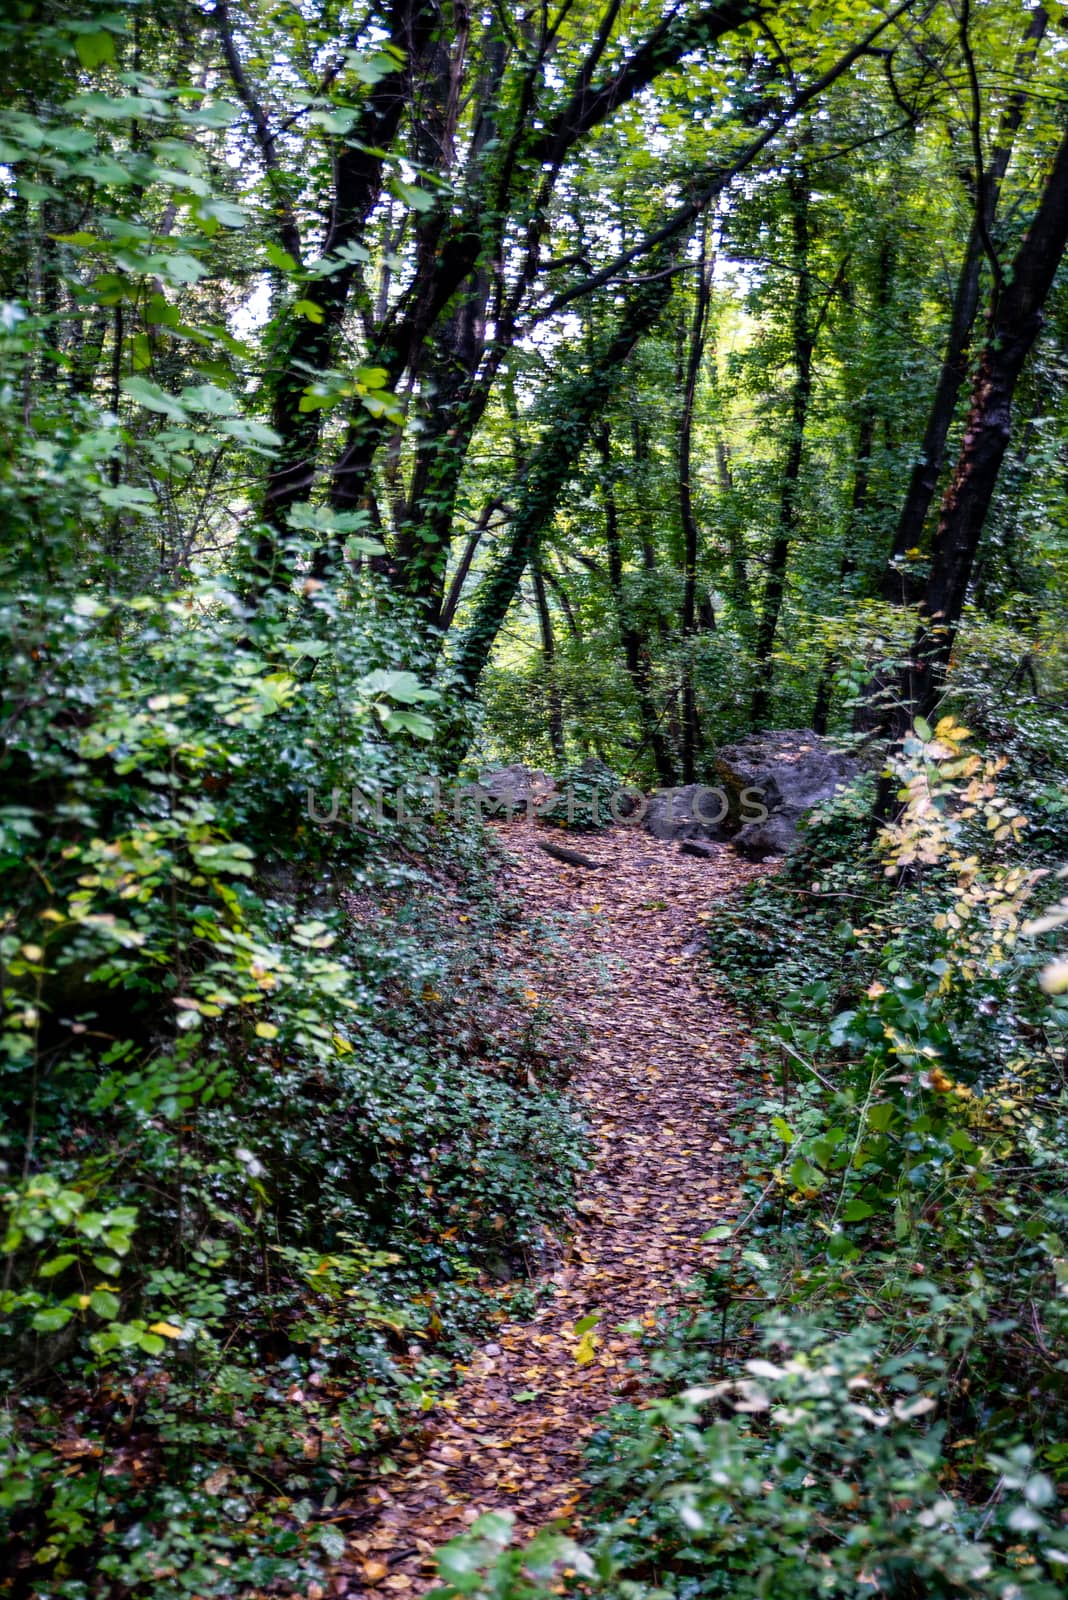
column 658, row 1077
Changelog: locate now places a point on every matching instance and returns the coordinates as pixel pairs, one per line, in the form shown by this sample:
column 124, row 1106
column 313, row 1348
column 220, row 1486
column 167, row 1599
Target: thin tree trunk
column 565, row 603
column 577, row 404
column 858, row 501
column 789, row 504
column 635, row 653
column 548, row 656
column 459, row 577
column 690, row 537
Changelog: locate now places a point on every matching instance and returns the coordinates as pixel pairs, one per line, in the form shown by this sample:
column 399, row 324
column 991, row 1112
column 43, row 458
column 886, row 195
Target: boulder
column 516, row 786
column 786, row 773
column 695, row 811
column 775, row 836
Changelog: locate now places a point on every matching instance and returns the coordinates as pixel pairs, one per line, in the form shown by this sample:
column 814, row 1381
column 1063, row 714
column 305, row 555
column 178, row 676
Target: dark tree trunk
column 861, row 493
column 639, row 439
column 463, row 568
column 527, row 162
column 690, row 536
column 789, row 503
column 908, row 534
column 635, row 653
column 307, row 346
column 565, row 603
column 576, row 405
column 1014, row 322
column 548, row 656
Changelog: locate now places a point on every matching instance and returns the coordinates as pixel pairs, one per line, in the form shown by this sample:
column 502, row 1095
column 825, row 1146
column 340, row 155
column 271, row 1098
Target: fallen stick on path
column 572, row 857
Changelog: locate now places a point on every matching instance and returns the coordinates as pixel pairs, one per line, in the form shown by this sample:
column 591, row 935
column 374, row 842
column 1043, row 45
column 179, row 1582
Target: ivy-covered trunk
column 1015, row 319
column 927, row 469
column 574, row 411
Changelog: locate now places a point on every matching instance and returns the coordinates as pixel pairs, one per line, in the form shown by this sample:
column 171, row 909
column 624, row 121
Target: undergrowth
column 275, row 1116
column 873, row 1397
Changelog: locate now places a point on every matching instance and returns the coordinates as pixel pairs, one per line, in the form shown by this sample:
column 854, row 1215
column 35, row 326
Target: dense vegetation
column 389, row 387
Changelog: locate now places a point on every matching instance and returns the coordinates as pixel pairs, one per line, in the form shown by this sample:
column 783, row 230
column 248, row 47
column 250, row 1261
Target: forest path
column 658, row 1075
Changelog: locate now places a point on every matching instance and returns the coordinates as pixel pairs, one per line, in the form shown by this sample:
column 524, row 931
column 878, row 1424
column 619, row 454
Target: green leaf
column 153, row 398
column 219, row 114
column 104, row 1303
column 128, row 497
column 857, row 1211
column 209, row 397
column 414, row 198
column 57, row 1264
column 256, row 435
column 94, row 49
column 51, row 1318
column 412, row 722
column 402, row 686
column 279, row 258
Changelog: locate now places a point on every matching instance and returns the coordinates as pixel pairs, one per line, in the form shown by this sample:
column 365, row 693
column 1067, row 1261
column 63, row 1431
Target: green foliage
column 818, row 1469
column 588, row 794
column 871, row 1395
column 486, row 1561
column 269, row 1115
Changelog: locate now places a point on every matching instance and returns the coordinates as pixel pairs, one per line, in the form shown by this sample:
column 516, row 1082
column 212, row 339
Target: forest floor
column 658, row 1075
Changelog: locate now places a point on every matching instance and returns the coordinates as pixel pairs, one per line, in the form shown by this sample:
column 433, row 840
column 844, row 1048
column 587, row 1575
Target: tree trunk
column 789, row 504
column 861, row 493
column 576, row 405
column 635, row 654
column 908, row 534
column 548, row 656
column 306, row 345
column 1014, row 322
column 686, row 512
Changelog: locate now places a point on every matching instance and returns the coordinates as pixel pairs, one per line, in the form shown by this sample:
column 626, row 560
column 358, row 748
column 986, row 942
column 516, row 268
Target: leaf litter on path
column 658, row 1075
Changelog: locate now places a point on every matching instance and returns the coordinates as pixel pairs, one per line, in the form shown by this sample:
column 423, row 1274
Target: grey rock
column 516, row 786
column 786, row 772
column 775, row 836
column 696, row 811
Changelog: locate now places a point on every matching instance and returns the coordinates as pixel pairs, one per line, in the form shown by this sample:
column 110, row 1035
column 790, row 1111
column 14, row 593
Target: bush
column 270, row 1110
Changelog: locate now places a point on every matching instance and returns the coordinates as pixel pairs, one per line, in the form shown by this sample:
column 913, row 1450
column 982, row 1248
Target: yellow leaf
column 166, row 1330
column 586, row 1349
column 266, row 1030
